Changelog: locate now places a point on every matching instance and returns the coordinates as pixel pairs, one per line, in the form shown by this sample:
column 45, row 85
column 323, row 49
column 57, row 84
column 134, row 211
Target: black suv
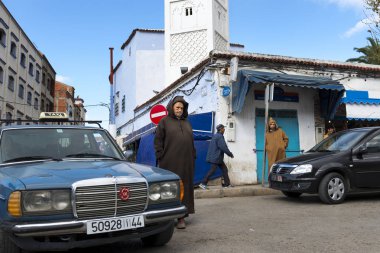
column 347, row 161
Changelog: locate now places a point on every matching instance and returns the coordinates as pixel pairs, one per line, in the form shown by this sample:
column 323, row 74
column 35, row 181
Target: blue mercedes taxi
column 70, row 186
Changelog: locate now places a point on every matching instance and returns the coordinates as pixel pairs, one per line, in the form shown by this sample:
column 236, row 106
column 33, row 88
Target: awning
column 202, row 124
column 361, row 106
column 331, row 93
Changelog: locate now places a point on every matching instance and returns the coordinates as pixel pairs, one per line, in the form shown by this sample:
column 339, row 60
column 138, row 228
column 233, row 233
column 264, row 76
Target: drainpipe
column 112, row 127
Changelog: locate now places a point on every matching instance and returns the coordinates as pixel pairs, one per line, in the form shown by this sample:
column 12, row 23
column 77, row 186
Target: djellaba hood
column 271, row 120
column 170, row 105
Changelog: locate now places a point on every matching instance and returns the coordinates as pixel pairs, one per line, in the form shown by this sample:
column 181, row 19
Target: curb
column 236, row 191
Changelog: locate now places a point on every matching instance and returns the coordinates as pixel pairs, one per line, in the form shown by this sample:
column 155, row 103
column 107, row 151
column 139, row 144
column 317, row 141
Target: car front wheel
column 333, row 189
column 160, row 238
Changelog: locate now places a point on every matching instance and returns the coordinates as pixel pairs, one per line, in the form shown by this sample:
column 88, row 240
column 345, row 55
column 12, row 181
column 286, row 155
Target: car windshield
column 339, row 141
column 17, row 145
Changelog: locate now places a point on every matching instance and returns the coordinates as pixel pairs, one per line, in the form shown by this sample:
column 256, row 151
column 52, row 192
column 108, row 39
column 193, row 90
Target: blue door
column 288, row 121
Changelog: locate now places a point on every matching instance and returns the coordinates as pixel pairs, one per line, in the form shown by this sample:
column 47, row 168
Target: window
column 19, row 118
column 8, row 116
column 23, row 60
column 123, row 104
column 3, row 37
column 38, row 76
column 1, row 75
column 13, row 49
column 42, row 105
column 11, row 83
column 189, row 11
column 48, row 84
column 21, row 91
column 116, row 109
column 31, row 69
column 36, row 103
column 43, row 79
column 70, row 111
column 29, row 98
column 373, row 146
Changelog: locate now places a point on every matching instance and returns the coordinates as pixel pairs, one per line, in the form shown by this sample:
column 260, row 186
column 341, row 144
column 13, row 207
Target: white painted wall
column 203, row 99
column 141, row 72
column 363, row 110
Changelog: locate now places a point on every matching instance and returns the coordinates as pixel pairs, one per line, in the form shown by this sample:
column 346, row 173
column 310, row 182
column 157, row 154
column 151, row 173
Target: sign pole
column 268, row 98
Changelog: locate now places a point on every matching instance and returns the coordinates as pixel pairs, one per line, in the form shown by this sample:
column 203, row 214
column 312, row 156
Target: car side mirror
column 128, row 153
column 360, row 150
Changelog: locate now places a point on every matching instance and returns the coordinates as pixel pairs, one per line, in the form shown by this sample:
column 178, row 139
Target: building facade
column 229, row 86
column 65, row 101
column 26, row 77
column 79, row 110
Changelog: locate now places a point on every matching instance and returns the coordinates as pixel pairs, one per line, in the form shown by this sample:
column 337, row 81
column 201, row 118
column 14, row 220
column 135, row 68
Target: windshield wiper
column 325, row 150
column 85, row 155
column 31, row 158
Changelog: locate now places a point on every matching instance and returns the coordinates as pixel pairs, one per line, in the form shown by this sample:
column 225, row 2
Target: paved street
column 272, row 223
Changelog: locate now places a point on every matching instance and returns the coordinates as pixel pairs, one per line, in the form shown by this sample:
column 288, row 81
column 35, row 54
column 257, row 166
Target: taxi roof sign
column 53, row 116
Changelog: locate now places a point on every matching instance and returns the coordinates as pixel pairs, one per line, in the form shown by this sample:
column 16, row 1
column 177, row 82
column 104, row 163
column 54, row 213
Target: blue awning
column 333, row 90
column 359, row 97
column 359, row 106
column 202, row 124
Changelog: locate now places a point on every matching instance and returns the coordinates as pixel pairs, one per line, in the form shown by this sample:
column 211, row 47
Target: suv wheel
column 292, row 194
column 160, row 238
column 6, row 245
column 333, row 189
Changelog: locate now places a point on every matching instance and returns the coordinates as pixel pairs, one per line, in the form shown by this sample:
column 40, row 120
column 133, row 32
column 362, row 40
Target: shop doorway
column 288, row 121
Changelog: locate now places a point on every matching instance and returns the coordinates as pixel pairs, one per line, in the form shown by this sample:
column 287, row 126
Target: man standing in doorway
column 215, row 156
column 276, row 142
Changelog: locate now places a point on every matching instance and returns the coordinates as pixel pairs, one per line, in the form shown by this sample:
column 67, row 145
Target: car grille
column 281, row 169
column 102, row 201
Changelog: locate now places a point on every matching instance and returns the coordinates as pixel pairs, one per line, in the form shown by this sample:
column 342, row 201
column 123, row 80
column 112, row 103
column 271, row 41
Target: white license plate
column 114, row 224
column 277, row 178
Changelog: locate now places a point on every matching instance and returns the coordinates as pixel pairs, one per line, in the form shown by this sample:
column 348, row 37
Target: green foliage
column 371, row 52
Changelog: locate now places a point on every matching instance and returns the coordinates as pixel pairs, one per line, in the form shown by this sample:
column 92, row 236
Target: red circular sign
column 157, row 113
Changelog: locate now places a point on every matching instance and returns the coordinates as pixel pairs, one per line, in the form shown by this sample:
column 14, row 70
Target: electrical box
column 231, row 131
column 319, row 133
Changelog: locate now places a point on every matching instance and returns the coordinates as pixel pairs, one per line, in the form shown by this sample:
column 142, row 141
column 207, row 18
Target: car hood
column 307, row 157
column 62, row 174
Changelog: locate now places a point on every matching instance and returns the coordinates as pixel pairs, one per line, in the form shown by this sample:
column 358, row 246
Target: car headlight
column 46, row 201
column 164, row 191
column 273, row 165
column 301, row 169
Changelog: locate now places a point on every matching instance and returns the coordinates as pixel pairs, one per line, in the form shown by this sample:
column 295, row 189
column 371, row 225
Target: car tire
column 291, row 194
column 6, row 244
column 332, row 189
column 161, row 238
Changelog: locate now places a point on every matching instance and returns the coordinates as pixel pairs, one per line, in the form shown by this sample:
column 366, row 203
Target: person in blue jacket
column 215, row 155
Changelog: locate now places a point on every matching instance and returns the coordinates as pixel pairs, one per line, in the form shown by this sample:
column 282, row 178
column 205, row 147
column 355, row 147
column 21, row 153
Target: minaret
column 193, row 28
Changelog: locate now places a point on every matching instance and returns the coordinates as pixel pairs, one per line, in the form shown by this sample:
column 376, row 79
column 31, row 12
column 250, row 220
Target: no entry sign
column 157, row 113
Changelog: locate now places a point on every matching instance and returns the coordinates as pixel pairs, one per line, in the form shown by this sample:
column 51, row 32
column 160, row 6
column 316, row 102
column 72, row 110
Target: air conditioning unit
column 319, row 133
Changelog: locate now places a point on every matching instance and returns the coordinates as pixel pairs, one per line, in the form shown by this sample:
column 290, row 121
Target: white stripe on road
column 158, row 114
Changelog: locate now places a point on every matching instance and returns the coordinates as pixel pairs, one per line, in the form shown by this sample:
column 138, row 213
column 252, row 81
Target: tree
column 373, row 15
column 371, row 52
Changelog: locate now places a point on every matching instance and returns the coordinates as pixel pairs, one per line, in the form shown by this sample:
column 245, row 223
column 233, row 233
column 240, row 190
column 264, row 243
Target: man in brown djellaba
column 276, row 142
